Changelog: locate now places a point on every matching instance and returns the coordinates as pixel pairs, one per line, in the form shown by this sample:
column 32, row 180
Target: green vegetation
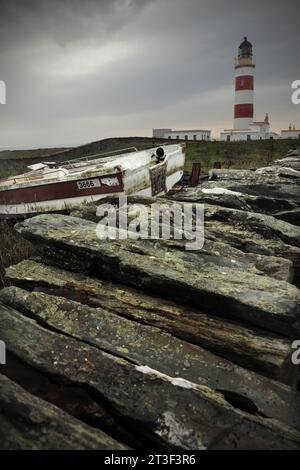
column 241, row 155
column 14, row 162
column 21, row 154
column 12, row 167
column 13, row 248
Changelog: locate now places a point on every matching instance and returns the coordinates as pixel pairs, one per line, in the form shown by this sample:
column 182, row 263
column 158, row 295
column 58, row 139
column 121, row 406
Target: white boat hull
column 132, row 174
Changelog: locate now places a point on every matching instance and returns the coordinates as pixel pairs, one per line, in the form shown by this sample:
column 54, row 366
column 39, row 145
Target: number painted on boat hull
column 88, row 184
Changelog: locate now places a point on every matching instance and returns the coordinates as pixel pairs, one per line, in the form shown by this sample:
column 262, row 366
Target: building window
column 177, row 137
column 186, row 137
column 228, row 138
column 169, row 137
column 248, row 137
column 195, row 137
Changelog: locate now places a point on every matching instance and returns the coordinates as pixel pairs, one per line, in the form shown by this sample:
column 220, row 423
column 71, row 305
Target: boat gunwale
column 114, row 171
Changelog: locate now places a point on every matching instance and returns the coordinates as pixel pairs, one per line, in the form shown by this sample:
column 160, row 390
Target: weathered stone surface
column 75, row 400
column 263, row 184
column 288, row 172
column 274, row 266
column 253, row 348
column 269, row 188
column 142, row 344
column 171, row 412
column 248, row 176
column 205, row 282
column 291, row 160
column 264, row 225
column 264, row 175
column 252, row 241
column 27, row 422
column 253, row 233
column 235, row 200
column 279, row 170
column 293, row 153
column 292, row 216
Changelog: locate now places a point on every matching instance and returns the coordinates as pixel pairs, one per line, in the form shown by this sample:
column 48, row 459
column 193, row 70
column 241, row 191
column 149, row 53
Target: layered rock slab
column 158, row 350
column 170, row 411
column 204, row 282
column 29, row 423
column 253, row 348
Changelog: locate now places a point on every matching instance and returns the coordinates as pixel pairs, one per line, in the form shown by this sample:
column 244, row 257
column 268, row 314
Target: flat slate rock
column 274, row 266
column 291, row 216
column 171, row 412
column 146, row 345
column 261, row 187
column 282, row 209
column 264, row 175
column 250, row 347
column 248, row 238
column 206, row 282
column 262, row 224
column 29, row 423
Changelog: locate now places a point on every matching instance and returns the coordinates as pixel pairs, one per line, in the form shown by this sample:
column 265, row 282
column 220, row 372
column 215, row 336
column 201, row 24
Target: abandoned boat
column 53, row 187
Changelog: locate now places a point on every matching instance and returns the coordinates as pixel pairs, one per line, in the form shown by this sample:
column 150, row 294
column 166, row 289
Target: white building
column 290, row 133
column 194, row 134
column 160, row 133
column 258, row 130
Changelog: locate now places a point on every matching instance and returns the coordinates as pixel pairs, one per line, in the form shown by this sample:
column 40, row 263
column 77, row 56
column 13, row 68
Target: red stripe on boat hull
column 53, row 191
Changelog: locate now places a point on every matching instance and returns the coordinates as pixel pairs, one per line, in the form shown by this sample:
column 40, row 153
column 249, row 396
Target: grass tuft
column 13, row 249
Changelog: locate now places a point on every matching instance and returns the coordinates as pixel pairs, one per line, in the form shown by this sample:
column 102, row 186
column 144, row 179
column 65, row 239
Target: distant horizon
column 214, row 137
column 294, row 142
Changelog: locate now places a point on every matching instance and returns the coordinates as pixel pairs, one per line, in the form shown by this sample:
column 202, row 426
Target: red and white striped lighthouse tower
column 244, row 86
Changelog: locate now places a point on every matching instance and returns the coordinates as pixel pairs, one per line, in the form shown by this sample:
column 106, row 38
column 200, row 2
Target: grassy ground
column 239, row 155
column 12, row 167
column 13, row 248
column 21, row 154
column 13, row 162
column 231, row 155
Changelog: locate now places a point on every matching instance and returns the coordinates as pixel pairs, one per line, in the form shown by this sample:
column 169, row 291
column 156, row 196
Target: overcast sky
column 78, row 71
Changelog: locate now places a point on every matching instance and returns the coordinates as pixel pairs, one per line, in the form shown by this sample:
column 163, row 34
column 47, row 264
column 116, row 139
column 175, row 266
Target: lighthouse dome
column 245, row 49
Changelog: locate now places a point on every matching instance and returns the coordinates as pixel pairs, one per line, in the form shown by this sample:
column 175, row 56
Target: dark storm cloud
column 63, row 21
column 82, row 70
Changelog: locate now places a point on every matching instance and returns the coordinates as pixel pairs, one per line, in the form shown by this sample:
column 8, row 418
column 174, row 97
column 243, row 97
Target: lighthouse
column 244, row 86
column 244, row 127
